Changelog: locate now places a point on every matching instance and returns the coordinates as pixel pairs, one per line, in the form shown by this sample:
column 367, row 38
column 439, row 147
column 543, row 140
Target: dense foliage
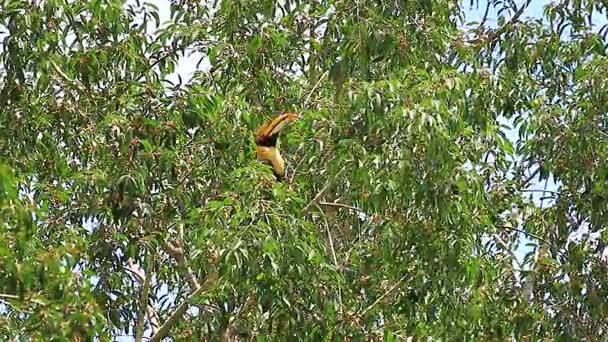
column 431, row 149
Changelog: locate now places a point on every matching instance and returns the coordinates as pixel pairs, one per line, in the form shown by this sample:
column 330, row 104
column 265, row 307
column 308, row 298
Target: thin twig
column 320, row 193
column 382, row 296
column 159, row 59
column 232, row 320
column 141, row 278
column 541, row 191
column 330, row 239
column 506, row 248
column 488, row 178
column 64, row 75
column 183, row 179
column 295, row 169
column 542, row 199
column 340, row 205
column 333, row 254
column 531, row 177
column 540, row 239
column 79, row 86
column 305, row 103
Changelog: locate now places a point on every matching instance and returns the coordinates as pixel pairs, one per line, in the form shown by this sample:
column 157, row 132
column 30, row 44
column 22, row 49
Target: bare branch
column 143, row 303
column 295, row 169
column 329, row 238
column 540, row 239
column 333, row 253
column 382, row 296
column 485, row 16
column 77, row 84
column 506, row 248
column 210, row 280
column 136, row 270
column 227, row 331
column 175, row 249
column 314, row 88
column 340, row 205
column 541, row 191
column 8, row 296
column 320, row 193
column 65, row 76
column 531, row 177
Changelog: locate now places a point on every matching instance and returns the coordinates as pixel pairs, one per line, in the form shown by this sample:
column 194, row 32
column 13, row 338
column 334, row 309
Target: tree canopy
column 447, row 178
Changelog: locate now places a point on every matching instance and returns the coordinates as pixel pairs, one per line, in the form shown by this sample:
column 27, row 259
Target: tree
column 132, row 205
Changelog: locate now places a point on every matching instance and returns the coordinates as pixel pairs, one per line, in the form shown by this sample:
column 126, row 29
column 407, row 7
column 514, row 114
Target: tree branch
column 340, row 205
column 495, row 34
column 77, row 84
column 141, row 278
column 9, row 296
column 506, row 248
column 541, row 190
column 314, row 88
column 333, row 254
column 320, row 193
column 531, row 177
column 143, row 303
column 226, row 333
column 382, row 296
column 175, row 250
column 485, row 16
column 540, row 239
column 295, row 169
column 181, row 309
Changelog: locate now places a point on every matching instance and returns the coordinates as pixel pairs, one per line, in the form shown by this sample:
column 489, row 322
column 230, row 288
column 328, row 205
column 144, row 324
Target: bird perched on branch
column 266, row 142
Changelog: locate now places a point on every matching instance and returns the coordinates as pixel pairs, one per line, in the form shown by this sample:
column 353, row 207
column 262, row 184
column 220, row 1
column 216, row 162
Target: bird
column 266, row 142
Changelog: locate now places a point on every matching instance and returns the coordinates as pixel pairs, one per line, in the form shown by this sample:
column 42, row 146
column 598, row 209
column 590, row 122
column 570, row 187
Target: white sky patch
column 186, row 66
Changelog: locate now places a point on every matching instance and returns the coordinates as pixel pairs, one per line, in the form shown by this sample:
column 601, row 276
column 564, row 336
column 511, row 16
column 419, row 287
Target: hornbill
column 266, row 142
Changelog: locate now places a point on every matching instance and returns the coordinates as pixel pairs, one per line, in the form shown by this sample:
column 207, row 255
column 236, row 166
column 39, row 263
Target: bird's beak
column 282, row 122
column 293, row 116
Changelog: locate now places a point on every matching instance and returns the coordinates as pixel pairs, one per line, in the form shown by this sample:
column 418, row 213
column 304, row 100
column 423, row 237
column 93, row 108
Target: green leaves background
column 408, row 195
